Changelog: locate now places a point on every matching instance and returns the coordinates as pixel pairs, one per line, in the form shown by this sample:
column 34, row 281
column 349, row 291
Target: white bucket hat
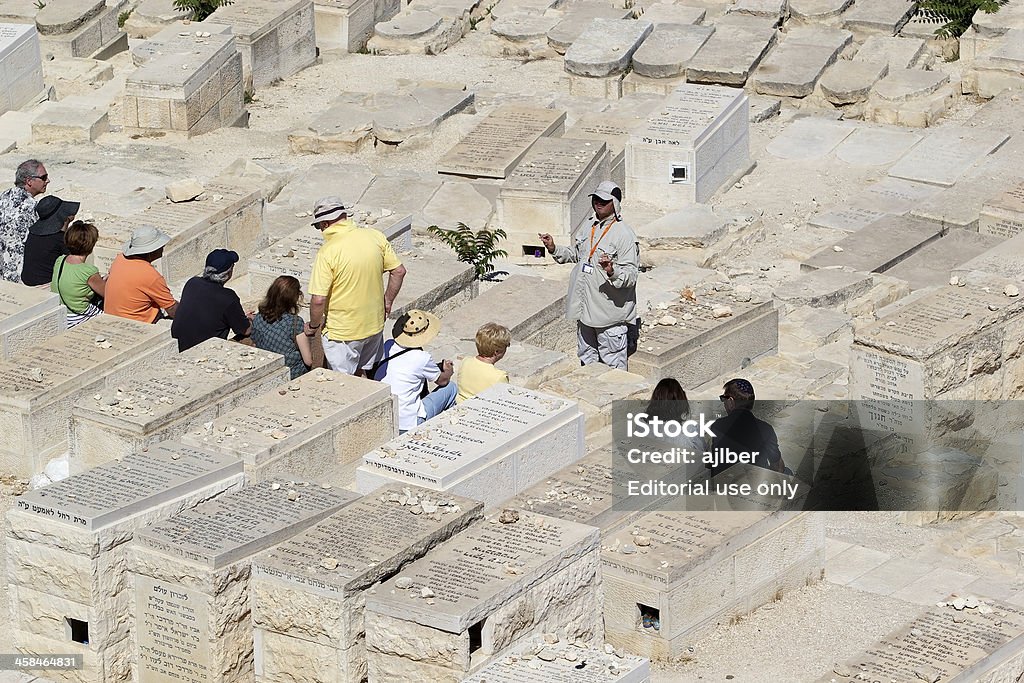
column 609, row 191
column 328, row 209
column 145, row 239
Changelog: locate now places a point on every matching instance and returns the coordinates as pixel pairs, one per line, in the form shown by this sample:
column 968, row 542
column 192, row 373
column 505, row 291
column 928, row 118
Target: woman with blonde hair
column 79, row 284
column 277, row 326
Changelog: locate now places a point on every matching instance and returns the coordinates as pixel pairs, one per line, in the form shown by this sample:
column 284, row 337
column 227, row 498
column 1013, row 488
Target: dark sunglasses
column 45, row 177
column 723, row 398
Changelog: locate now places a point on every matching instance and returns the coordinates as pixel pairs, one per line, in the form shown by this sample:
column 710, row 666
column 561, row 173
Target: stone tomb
column 169, row 399
column 67, row 551
column 190, row 575
column 977, row 643
column 294, row 255
column 947, row 152
column 699, row 569
column 538, row 661
column 308, row 594
column 28, row 317
column 276, row 39
column 956, row 343
column 1002, row 263
column 490, row 447
column 695, row 350
column 21, row 67
column 318, row 428
column 731, row 53
column 500, row 140
column 194, row 85
column 695, row 145
column 77, row 28
column 613, row 130
column 40, row 385
column 878, row 246
column 346, row 25
column 227, row 215
column 550, row 188
column 1003, row 215
column 450, row 612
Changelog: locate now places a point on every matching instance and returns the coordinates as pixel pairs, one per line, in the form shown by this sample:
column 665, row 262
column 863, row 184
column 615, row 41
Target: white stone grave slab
column 687, row 151
column 563, row 662
column 347, row 25
column 308, row 593
column 500, row 140
column 669, row 48
column 318, row 428
column 496, row 581
column 72, row 28
column 731, row 54
column 877, row 17
column 876, row 146
column 488, row 448
column 169, row 400
column 701, row 569
column 946, row 154
column 613, row 129
column 1003, row 215
column 68, row 542
column 809, row 138
column 878, row 246
column 977, row 643
column 21, row 69
column 276, row 39
column 28, row 317
column 1002, row 262
column 606, row 46
column 551, row 187
column 41, row 384
column 190, row 575
column 931, row 265
column 793, row 68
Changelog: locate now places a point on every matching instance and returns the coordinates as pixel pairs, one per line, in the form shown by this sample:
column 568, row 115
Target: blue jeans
column 439, row 400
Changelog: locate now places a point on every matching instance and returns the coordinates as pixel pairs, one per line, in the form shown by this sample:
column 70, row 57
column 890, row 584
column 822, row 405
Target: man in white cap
column 602, row 289
column 135, row 289
column 347, row 296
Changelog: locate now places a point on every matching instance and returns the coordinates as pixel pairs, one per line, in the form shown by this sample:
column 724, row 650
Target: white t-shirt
column 405, row 375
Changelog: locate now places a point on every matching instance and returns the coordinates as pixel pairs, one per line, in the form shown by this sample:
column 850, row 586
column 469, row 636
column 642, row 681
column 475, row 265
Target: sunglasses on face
column 723, row 398
column 45, row 177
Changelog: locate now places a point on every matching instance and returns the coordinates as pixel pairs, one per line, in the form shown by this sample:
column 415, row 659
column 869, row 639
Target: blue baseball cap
column 221, row 259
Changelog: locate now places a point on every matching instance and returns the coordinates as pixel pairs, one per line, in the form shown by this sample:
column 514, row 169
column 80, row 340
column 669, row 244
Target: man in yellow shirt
column 479, row 373
column 347, row 295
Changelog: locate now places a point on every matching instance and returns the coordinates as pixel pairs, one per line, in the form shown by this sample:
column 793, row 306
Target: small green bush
column 200, row 9
column 955, row 15
column 477, row 248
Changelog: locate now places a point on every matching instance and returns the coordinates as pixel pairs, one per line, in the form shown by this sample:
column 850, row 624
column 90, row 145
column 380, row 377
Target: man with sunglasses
column 602, row 289
column 740, row 431
column 17, row 214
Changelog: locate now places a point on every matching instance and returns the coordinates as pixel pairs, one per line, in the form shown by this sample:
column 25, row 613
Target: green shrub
column 477, row 248
column 200, row 9
column 955, row 15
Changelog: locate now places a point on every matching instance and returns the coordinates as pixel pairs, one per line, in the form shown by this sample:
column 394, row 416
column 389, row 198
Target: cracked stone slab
column 849, row 81
column 606, row 46
column 904, row 84
column 669, row 48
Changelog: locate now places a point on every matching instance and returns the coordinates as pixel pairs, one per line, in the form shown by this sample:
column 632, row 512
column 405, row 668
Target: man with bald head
column 17, row 214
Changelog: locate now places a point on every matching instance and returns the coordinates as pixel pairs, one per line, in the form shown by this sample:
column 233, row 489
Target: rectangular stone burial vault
column 190, row 576
column 171, row 399
column 488, row 448
column 68, row 551
column 551, row 188
column 190, row 86
column 500, row 140
column 318, row 428
column 77, row 28
column 699, row 569
column 28, row 317
column 276, row 39
column 448, row 613
column 21, row 66
column 225, row 216
column 691, row 148
column 985, row 645
column 40, row 385
column 308, row 594
column 346, row 25
column 1003, row 215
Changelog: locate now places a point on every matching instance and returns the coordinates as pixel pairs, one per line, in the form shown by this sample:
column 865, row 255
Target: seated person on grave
column 277, row 326
column 478, row 373
column 135, row 288
column 79, row 284
column 45, row 241
column 740, row 431
column 407, row 368
column 669, row 402
column 208, row 309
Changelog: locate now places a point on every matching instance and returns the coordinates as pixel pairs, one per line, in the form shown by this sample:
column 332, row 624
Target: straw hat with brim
column 52, row 211
column 146, row 239
column 418, row 329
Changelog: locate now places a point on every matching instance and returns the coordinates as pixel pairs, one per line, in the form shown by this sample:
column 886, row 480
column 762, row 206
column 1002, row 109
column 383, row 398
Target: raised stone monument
column 1003, row 215
column 308, row 593
column 346, row 25
column 169, row 400
column 318, row 428
column 72, row 28
column 275, row 39
column 514, row 575
column 41, row 384
column 28, row 317
column 21, row 70
column 68, row 551
column 500, row 140
column 487, row 448
column 691, row 148
column 551, row 188
column 190, row 576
